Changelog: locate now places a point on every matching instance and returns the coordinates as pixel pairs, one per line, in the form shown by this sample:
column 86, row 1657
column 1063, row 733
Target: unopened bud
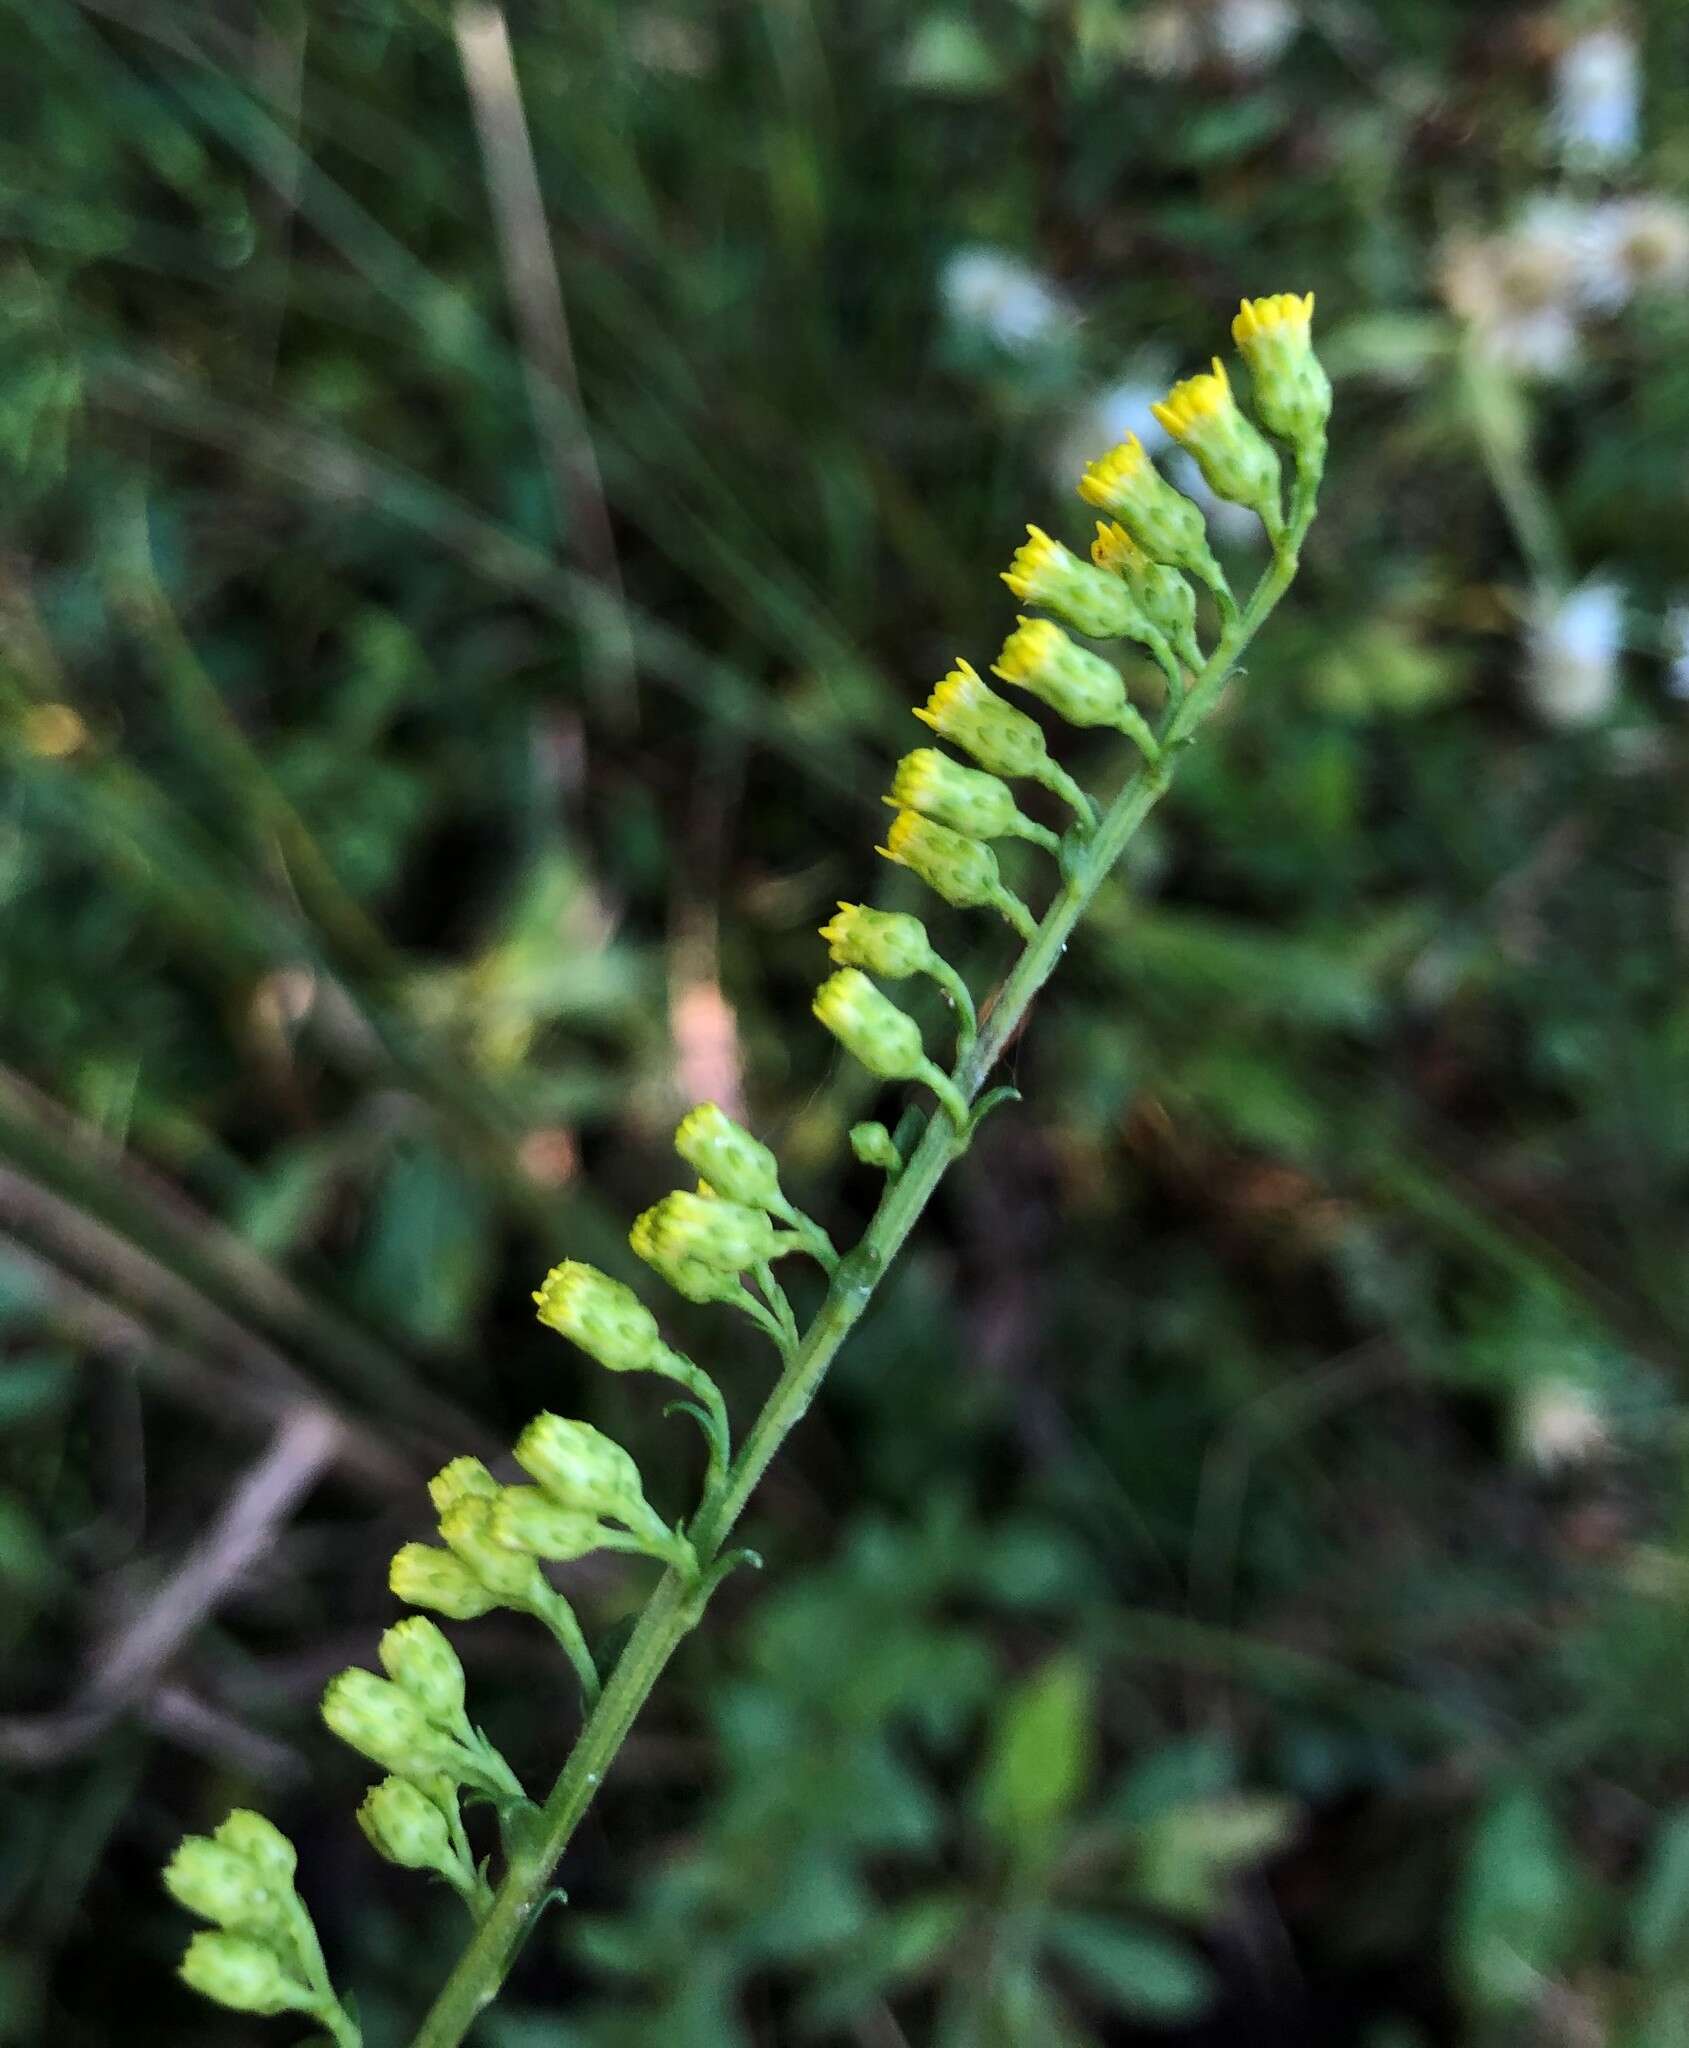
column 221, row 1885
column 873, row 1146
column 971, row 715
column 1164, row 597
column 607, row 1320
column 514, row 1577
column 1077, row 684
column 462, row 1479
column 889, row 943
column 405, row 1826
column 527, row 1518
column 726, row 1155
column 261, row 1842
column 1044, row 572
column 582, row 1469
column 378, row 1720
column 727, row 1236
column 1292, row 390
column 961, row 870
column 1167, row 526
column 870, row 1026
column 968, row 800
column 690, row 1277
column 244, row 1975
column 416, row 1656
column 1202, row 416
column 423, row 1576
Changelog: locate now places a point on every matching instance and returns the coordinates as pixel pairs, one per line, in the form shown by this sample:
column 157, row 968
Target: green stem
column 559, row 1617
column 674, row 1608
column 967, row 1023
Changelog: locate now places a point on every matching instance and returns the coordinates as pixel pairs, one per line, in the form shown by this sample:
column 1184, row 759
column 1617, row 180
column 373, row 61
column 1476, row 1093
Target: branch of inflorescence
column 678, row 1601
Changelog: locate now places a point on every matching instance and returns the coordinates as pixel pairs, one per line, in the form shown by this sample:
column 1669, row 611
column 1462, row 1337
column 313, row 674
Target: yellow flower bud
column 244, row 1975
column 406, row 1827
column 607, row 1320
column 261, row 1842
column 687, row 1276
column 961, row 870
column 1202, row 415
column 1164, row 597
column 1166, row 525
column 869, row 1025
column 726, row 1236
column 422, row 1576
column 462, row 1479
column 378, row 1720
column 527, row 1518
column 1077, row 684
column 889, row 943
column 1292, row 390
column 970, row 714
column 1044, row 572
column 968, row 800
column 584, row 1470
column 417, row 1657
column 221, row 1885
column 733, row 1162
column 466, row 1527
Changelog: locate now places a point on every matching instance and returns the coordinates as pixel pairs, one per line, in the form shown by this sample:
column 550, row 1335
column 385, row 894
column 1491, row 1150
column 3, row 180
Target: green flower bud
column 971, row 715
column 1292, row 390
column 968, row 800
column 873, row 1146
column 261, row 1842
column 407, row 1828
column 607, row 1320
column 726, row 1236
column 961, row 870
column 220, row 1885
column 733, row 1162
column 380, row 1721
column 422, row 1576
column 462, row 1479
column 889, row 943
column 1167, row 526
column 527, row 1518
column 869, row 1025
column 1164, row 597
column 244, row 1975
column 1077, row 684
column 513, row 1576
column 584, row 1470
column 1202, row 416
column 417, row 1657
column 1044, row 572
column 690, row 1277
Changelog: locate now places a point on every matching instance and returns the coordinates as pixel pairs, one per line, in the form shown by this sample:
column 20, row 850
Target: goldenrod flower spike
column 1127, row 486
column 1292, row 391
column 1202, row 415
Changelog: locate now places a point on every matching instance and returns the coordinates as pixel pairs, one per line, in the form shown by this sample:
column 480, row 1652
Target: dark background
column 1233, row 1590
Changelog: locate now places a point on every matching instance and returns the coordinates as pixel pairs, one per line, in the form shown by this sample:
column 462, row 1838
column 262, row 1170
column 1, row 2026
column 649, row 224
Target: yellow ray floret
column 1114, row 472
column 1036, row 561
column 1257, row 318
column 1190, row 404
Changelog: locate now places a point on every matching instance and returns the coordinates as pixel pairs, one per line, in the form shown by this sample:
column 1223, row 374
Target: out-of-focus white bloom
column 666, row 42
column 1249, row 34
column 1571, row 675
column 1166, row 42
column 1519, row 291
column 997, row 295
column 1597, row 97
column 1559, row 1424
column 1674, row 644
column 1633, row 245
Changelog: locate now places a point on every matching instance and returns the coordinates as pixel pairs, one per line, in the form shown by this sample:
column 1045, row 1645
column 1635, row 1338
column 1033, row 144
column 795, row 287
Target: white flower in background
column 1597, row 97
column 1250, row 34
column 1519, row 292
column 995, row 294
column 1571, row 673
column 665, row 41
column 1559, row 1424
column 1165, row 41
column 1632, row 246
column 1674, row 644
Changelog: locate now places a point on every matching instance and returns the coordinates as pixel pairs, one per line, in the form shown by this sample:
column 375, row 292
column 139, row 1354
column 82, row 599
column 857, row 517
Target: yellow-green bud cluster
column 870, row 1026
column 587, row 1473
column 263, row 1958
column 1076, row 684
column 968, row 800
column 1163, row 595
column 1127, row 486
column 1044, row 572
column 963, row 871
column 1292, row 391
column 406, row 1827
column 1234, row 455
column 419, row 1660
column 700, row 1245
column 735, row 1164
column 527, row 1518
column 419, row 1737
column 890, row 943
column 606, row 1319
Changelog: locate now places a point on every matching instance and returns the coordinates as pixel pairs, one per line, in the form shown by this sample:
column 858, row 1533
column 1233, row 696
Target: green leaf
column 1040, row 1758
column 1659, row 1919
column 1515, row 1914
column 1136, row 1969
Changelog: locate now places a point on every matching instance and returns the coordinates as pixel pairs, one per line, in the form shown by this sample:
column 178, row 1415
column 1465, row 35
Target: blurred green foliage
column 1233, row 1591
